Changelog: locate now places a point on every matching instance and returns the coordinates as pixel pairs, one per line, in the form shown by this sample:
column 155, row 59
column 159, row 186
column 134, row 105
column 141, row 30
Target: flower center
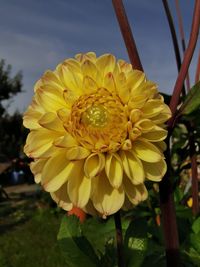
column 98, row 121
column 95, row 116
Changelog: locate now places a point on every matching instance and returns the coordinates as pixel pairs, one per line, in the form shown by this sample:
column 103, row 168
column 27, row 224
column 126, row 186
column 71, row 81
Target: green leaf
column 136, row 243
column 77, row 249
column 195, row 241
column 99, row 232
column 192, row 101
column 194, row 256
column 196, row 226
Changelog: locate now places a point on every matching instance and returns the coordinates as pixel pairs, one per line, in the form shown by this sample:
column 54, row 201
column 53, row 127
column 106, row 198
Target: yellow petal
column 135, row 115
column 145, row 125
column 89, row 85
column 132, row 167
column 105, row 63
column 161, row 145
column 157, row 134
column 77, row 152
column 106, row 199
column 58, row 170
column 155, row 171
column 61, row 198
column 137, row 101
column 109, row 82
column 50, row 78
column 94, row 164
column 79, row 188
column 89, row 69
column 36, row 168
column 73, row 65
column 134, row 80
column 146, row 151
column 65, row 141
column 71, row 80
column 152, row 108
column 114, row 169
column 50, row 99
column 39, row 141
column 121, row 87
column 63, row 114
column 135, row 193
column 50, row 121
column 31, row 117
column 84, row 56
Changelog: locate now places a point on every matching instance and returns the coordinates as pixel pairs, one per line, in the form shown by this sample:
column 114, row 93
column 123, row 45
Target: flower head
column 96, row 133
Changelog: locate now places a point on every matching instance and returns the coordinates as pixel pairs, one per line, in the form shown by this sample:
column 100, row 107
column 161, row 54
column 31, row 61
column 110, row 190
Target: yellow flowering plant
column 97, row 130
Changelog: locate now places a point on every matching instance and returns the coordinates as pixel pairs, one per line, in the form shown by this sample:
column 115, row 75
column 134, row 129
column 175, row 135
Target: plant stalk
column 119, row 239
column 186, row 62
column 127, row 34
column 181, row 30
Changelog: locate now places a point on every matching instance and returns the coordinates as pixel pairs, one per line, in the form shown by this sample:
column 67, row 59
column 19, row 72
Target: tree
column 8, row 86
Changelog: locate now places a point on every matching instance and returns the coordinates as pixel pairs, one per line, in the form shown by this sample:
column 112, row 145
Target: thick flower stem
column 169, row 216
column 119, row 239
column 127, row 34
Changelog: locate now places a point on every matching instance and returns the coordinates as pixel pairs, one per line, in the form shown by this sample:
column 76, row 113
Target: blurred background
column 36, row 36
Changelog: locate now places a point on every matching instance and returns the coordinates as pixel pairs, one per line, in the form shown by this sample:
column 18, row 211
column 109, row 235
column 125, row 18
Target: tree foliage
column 9, row 86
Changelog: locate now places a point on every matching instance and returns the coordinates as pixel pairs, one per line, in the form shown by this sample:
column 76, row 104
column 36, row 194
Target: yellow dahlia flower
column 96, row 133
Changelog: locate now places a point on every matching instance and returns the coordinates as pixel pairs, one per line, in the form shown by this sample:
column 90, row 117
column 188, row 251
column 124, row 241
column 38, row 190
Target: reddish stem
column 180, row 23
column 186, row 62
column 197, row 74
column 127, row 34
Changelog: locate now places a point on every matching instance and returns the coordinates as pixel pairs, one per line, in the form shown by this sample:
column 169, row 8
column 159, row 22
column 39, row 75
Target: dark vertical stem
column 127, row 34
column 169, row 216
column 173, row 34
column 180, row 23
column 119, row 239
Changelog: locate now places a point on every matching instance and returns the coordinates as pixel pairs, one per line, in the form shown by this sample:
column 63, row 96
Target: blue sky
column 37, row 35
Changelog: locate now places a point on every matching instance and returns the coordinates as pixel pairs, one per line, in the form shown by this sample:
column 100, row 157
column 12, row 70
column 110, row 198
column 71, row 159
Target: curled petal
column 146, row 151
column 61, row 198
column 106, row 199
column 58, row 170
column 94, row 164
column 79, row 188
column 106, row 63
column 50, row 121
column 36, row 168
column 152, row 108
column 157, row 134
column 39, row 142
column 77, row 153
column 114, row 169
column 65, row 141
column 155, row 171
column 132, row 167
column 135, row 193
